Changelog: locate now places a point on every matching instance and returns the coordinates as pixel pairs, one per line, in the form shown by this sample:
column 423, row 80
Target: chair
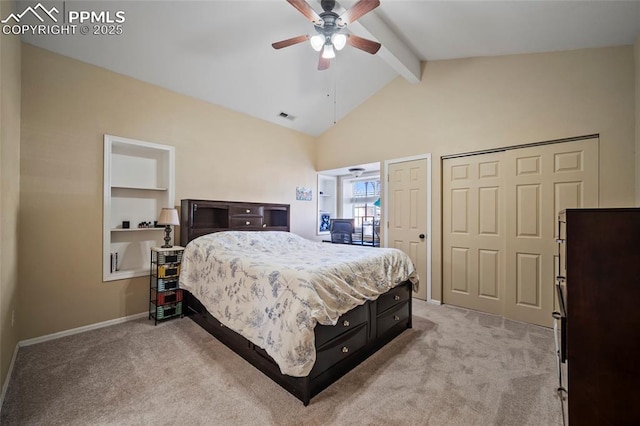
column 341, row 231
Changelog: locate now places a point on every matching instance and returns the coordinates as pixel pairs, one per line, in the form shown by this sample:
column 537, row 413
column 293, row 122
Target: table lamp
column 168, row 217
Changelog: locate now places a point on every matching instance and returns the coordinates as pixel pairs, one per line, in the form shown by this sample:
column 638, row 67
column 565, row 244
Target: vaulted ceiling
column 220, row 51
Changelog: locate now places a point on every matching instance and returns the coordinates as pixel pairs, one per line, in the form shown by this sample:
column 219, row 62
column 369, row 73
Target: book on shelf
column 114, row 262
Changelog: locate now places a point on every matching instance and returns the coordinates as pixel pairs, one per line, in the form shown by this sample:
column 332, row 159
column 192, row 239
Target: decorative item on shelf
column 167, row 218
column 125, row 224
column 325, row 220
column 356, row 171
column 377, row 202
column 114, row 262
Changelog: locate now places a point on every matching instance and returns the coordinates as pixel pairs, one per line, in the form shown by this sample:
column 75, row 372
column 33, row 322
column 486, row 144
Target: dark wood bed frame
column 340, row 348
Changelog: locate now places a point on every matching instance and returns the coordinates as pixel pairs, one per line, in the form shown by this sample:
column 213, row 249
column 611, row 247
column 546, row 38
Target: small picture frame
column 303, row 193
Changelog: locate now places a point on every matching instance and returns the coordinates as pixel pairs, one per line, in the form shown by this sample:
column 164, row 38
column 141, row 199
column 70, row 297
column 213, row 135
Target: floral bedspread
column 274, row 287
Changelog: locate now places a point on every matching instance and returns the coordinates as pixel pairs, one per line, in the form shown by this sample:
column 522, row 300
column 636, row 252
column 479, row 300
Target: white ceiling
column 220, row 51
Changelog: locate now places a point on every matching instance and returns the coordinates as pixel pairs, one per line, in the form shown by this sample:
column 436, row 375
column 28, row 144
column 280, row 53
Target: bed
column 304, row 313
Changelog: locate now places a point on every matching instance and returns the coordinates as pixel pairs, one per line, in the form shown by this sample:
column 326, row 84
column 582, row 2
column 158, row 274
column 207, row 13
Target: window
column 364, row 203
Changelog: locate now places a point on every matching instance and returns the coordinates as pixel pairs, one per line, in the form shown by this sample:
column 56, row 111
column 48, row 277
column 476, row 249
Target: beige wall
column 67, row 106
column 9, row 191
column 473, row 104
column 637, row 105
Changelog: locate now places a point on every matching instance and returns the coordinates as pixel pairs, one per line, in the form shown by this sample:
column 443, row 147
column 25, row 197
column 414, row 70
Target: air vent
column 287, row 116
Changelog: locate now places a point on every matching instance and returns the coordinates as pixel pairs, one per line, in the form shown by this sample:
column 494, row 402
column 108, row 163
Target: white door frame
column 428, row 197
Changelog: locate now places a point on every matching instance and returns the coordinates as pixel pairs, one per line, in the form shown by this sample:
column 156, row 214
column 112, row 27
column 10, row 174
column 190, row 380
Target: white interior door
column 408, row 229
column 542, row 181
column 474, row 232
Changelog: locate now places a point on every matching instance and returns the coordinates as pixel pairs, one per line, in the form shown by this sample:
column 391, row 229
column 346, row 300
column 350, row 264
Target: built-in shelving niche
column 138, row 182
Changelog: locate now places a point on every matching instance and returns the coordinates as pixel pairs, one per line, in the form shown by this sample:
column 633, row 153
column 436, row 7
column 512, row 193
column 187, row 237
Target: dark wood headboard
column 200, row 217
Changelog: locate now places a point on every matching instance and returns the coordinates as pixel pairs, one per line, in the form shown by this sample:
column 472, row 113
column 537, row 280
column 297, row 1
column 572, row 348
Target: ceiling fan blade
column 323, row 63
column 290, row 42
column 363, row 44
column 304, row 8
column 359, row 9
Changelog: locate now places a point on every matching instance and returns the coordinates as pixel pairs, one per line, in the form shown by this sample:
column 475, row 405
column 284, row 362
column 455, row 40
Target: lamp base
column 167, row 237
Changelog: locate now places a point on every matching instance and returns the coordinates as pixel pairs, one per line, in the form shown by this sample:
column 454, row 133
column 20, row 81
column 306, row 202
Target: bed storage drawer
column 348, row 321
column 340, row 348
column 246, row 222
column 246, row 211
column 395, row 317
column 393, row 297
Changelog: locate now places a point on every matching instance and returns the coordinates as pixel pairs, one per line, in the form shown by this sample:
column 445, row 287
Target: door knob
column 421, row 236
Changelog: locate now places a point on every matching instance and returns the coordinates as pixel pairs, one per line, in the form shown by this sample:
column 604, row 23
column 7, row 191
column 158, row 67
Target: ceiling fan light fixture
column 339, row 41
column 328, row 52
column 317, row 41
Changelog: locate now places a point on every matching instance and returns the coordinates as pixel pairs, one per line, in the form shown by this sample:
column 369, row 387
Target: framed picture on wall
column 303, row 194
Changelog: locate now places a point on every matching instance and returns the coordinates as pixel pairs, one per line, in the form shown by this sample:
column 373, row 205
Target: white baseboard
column 435, row 302
column 5, row 385
column 82, row 329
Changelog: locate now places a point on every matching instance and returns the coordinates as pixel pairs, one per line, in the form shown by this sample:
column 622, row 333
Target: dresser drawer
column 396, row 316
column 246, row 211
column 346, row 322
column 246, row 222
column 163, row 284
column 339, row 349
column 393, row 297
column 168, row 271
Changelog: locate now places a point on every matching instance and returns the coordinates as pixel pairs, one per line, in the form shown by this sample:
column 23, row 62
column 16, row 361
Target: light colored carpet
column 455, row 367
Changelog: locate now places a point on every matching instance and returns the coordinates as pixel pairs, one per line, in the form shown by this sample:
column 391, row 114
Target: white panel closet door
column 499, row 225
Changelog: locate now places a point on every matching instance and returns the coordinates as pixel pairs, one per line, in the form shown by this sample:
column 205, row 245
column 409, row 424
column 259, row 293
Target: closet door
column 499, row 224
column 474, row 232
column 542, row 181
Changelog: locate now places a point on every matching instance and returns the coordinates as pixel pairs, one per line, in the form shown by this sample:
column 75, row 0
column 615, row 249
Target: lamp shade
column 317, row 41
column 328, row 52
column 339, row 40
column 168, row 217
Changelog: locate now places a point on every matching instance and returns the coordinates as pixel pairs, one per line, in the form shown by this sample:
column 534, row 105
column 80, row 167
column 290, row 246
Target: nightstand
column 165, row 298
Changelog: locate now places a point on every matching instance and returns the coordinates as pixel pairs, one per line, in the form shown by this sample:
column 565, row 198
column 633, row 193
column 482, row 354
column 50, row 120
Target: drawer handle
column 345, row 349
column 346, row 323
column 396, row 318
column 221, row 325
column 396, row 297
column 247, row 223
column 248, row 211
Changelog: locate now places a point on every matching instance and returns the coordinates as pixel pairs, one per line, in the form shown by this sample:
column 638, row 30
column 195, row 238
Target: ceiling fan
column 329, row 26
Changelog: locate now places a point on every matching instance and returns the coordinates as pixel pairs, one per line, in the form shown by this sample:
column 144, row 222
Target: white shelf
column 138, row 188
column 327, row 202
column 128, row 273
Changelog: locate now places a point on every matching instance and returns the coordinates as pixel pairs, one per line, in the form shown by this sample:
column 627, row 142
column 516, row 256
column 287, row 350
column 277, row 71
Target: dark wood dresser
column 602, row 282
